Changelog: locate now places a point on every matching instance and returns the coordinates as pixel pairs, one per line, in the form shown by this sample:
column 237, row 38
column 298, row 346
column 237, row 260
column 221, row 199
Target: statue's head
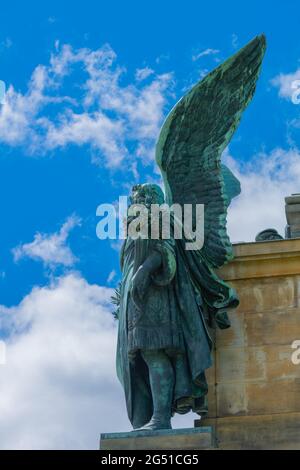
column 146, row 194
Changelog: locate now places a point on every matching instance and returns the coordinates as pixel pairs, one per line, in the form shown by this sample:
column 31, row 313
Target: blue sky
column 88, row 85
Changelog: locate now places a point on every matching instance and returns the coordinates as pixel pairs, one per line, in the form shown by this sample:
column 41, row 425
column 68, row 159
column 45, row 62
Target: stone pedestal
column 254, row 386
column 261, row 432
column 176, row 439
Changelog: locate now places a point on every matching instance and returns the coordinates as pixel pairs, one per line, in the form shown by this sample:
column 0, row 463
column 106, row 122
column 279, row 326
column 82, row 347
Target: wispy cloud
column 99, row 110
column 234, row 41
column 205, row 52
column 162, row 58
column 142, row 74
column 111, row 276
column 6, row 44
column 51, row 249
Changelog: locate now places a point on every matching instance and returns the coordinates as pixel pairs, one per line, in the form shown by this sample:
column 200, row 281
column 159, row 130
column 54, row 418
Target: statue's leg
column 161, row 375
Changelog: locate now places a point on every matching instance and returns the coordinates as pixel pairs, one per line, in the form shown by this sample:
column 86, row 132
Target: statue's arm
column 142, row 279
column 159, row 268
column 153, row 262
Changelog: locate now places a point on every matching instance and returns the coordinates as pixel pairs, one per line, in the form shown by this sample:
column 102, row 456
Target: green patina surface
column 170, row 297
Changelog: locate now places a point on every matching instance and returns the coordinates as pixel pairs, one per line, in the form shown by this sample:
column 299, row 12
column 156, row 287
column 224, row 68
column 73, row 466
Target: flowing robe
column 185, row 297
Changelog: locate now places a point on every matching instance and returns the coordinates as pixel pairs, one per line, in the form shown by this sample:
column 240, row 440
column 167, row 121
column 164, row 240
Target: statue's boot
column 161, row 376
column 183, row 391
column 200, row 406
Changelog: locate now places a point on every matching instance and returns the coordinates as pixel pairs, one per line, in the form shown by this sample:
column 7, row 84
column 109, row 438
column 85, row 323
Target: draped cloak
column 185, row 298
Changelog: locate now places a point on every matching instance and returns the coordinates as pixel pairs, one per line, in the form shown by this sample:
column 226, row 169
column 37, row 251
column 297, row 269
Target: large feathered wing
column 193, row 137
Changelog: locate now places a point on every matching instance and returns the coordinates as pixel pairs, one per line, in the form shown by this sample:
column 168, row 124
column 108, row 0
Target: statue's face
column 146, row 194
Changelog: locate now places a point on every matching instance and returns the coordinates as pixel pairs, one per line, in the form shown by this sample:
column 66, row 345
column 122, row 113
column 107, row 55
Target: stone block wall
column 254, row 383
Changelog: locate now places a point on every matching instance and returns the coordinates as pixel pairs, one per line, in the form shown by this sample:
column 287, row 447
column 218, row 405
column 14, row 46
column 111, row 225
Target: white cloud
column 265, row 181
column 95, row 129
column 284, row 83
column 59, row 388
column 51, row 249
column 204, row 53
column 98, row 110
column 17, row 111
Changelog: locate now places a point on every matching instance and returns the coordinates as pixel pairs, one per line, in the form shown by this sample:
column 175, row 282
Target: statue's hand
column 140, row 284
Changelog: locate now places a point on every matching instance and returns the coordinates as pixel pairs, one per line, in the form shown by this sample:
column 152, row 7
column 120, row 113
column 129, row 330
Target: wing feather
column 195, row 134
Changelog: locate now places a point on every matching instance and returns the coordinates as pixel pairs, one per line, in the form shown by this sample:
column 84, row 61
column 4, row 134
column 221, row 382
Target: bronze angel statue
column 170, row 297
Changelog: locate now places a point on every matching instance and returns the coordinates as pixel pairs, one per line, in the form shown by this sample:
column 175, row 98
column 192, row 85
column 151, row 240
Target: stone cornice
column 263, row 259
